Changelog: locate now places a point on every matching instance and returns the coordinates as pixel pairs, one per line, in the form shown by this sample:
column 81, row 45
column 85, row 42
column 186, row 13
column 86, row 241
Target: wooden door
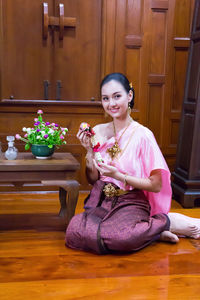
column 26, row 57
column 68, row 64
column 77, row 55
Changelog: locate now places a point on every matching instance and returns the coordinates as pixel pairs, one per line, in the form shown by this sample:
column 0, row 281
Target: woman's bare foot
column 184, row 225
column 167, row 236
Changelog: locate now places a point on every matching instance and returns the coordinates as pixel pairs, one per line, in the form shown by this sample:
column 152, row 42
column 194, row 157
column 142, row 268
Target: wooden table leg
column 68, row 196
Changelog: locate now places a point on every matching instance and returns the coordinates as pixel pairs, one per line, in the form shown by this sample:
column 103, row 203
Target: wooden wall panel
column 158, row 42
column 180, row 65
column 108, row 36
column 133, row 68
column 183, row 17
column 157, row 61
column 119, row 64
column 159, row 4
column 155, row 111
column 133, row 43
column 134, row 17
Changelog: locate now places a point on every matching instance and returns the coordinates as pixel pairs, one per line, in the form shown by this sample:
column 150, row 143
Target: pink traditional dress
column 130, row 221
column 139, row 157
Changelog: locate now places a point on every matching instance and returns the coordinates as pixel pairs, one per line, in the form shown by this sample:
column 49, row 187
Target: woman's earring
column 129, row 108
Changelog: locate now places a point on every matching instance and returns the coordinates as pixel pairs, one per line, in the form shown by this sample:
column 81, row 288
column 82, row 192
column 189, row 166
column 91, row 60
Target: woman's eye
column 117, row 96
column 105, row 98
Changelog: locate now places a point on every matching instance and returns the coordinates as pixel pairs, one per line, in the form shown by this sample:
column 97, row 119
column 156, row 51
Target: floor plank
column 139, row 288
column 35, row 263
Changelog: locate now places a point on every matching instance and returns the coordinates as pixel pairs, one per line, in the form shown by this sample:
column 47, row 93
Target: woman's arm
column 92, row 173
column 152, row 184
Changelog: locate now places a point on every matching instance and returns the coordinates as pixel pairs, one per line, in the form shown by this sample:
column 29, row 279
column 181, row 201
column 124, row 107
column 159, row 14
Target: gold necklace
column 115, row 149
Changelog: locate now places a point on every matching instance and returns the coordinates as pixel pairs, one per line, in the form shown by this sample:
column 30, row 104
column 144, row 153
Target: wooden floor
column 35, row 264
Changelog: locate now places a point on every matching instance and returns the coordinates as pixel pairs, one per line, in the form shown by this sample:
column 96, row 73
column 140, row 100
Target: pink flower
column 17, row 136
column 36, row 119
column 62, row 137
column 25, row 135
column 64, row 129
column 40, row 112
column 46, row 136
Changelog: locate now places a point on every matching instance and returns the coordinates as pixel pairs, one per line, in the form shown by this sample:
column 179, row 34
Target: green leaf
column 27, row 146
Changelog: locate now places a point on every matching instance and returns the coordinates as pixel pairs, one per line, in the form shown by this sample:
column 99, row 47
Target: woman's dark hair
column 121, row 79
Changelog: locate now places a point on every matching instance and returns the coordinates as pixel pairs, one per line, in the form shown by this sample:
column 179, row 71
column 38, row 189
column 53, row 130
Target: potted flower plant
column 43, row 137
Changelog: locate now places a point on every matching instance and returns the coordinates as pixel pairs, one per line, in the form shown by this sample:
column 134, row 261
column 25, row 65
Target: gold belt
column 110, row 191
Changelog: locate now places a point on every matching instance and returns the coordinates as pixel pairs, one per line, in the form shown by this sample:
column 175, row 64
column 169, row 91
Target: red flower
column 96, row 147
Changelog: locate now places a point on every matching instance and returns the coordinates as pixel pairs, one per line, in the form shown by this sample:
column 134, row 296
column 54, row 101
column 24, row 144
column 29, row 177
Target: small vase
column 11, row 152
column 42, row 151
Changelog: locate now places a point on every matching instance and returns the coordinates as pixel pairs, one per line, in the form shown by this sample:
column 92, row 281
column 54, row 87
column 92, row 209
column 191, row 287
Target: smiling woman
column 122, row 93
column 128, row 207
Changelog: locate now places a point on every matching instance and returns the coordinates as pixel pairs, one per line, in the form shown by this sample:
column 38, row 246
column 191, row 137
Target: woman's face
column 115, row 99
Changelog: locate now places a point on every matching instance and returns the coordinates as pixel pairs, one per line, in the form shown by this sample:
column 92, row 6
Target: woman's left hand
column 106, row 170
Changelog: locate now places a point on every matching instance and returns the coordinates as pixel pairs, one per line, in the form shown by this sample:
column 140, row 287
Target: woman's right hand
column 85, row 140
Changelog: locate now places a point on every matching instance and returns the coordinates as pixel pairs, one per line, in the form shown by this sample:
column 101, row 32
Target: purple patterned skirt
column 115, row 224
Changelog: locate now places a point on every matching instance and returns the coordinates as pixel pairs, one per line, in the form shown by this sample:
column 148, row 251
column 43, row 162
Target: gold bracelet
column 125, row 179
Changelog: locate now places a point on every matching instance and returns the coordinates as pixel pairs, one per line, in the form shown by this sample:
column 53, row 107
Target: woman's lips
column 113, row 110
